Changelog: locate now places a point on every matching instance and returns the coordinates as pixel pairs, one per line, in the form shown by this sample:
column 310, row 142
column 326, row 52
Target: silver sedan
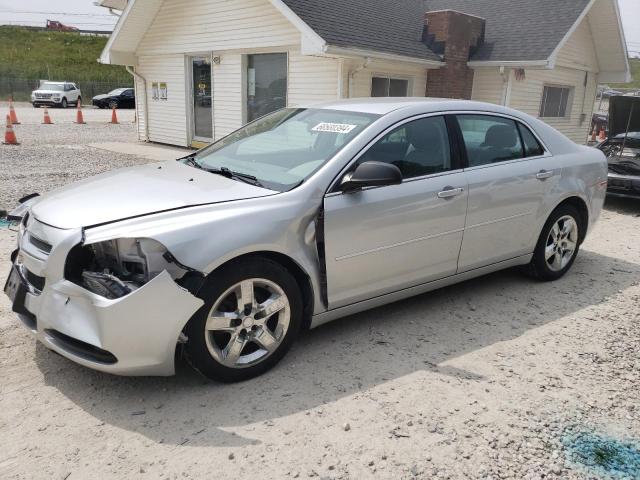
column 304, row 216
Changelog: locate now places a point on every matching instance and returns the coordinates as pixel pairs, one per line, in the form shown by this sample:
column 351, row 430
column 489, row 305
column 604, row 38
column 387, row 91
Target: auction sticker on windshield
column 333, row 127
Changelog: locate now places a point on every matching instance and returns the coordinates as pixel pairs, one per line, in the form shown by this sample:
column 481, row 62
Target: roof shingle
column 516, row 30
column 379, row 25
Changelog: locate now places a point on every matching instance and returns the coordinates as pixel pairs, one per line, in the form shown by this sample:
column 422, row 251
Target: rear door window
column 532, row 147
column 490, row 139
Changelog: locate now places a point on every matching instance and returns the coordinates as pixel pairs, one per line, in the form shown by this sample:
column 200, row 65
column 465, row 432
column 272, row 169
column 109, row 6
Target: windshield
column 286, row 147
column 117, row 91
column 58, row 87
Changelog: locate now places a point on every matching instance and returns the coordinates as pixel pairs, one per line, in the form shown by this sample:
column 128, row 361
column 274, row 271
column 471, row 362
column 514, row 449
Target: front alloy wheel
column 252, row 314
column 247, row 323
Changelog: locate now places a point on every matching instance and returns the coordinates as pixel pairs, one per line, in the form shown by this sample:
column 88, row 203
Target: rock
column 346, row 427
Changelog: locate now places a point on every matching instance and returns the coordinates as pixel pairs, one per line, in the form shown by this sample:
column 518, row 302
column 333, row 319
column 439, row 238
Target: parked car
column 622, row 147
column 118, row 98
column 56, row 94
column 301, row 217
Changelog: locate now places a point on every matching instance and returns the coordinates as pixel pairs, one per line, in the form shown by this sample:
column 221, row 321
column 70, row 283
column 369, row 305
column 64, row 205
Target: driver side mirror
column 371, row 174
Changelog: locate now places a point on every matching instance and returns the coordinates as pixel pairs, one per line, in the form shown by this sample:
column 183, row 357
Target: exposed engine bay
column 115, row 268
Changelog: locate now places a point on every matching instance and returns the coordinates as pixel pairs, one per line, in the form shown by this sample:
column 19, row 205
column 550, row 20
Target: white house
column 203, row 68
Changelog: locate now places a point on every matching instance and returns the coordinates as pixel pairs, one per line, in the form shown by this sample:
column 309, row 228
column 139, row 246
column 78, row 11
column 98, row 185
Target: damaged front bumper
column 135, row 334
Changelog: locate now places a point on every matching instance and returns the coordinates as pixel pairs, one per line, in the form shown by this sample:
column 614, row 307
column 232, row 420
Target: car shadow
column 342, row 358
column 624, row 206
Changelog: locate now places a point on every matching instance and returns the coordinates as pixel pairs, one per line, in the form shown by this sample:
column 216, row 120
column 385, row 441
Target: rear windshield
column 286, row 147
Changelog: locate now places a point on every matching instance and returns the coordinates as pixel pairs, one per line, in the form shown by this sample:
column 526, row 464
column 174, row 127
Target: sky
column 77, row 13
column 85, row 15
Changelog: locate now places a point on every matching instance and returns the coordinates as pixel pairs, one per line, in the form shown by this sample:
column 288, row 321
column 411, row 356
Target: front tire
column 558, row 244
column 251, row 316
column 64, row 103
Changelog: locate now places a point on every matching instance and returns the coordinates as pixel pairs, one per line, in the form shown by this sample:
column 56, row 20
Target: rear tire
column 251, row 316
column 558, row 245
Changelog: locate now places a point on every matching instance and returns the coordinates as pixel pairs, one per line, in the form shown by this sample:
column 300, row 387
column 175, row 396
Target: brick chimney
column 457, row 36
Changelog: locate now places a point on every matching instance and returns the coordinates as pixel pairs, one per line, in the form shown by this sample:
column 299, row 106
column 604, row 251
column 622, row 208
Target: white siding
column 140, row 103
column 167, row 118
column 361, row 80
column 488, row 85
column 527, row 97
column 575, row 60
column 228, row 97
column 311, row 79
column 579, row 51
column 216, row 25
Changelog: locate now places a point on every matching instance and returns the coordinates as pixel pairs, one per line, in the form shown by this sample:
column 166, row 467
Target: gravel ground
column 497, row 378
column 52, row 155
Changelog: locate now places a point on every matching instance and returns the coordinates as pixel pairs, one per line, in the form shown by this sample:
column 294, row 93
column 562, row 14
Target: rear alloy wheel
column 558, row 244
column 252, row 314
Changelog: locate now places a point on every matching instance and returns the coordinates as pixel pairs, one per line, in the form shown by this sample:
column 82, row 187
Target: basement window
column 389, row 87
column 555, row 102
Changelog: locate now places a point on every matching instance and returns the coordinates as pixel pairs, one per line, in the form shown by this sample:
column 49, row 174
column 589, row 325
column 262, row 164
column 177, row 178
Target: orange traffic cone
column 12, row 113
column 114, row 117
column 9, row 135
column 79, row 117
column 47, row 118
column 603, row 136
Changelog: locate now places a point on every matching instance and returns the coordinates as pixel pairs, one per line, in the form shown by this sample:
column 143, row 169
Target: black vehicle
column 118, row 98
column 622, row 148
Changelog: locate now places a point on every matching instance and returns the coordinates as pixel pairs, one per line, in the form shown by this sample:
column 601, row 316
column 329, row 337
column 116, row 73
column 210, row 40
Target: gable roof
column 522, row 32
column 393, row 27
column 518, row 30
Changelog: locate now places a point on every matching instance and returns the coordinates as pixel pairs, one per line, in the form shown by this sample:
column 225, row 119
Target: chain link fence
column 20, row 88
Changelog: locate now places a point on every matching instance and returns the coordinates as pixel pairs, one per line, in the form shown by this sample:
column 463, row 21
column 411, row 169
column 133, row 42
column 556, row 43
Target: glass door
column 202, row 98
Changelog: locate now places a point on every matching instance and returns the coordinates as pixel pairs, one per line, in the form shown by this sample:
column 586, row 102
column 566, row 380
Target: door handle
column 544, row 174
column 450, row 192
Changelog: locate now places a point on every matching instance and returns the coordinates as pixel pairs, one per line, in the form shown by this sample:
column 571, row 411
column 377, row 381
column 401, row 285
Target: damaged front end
column 115, row 268
column 116, row 305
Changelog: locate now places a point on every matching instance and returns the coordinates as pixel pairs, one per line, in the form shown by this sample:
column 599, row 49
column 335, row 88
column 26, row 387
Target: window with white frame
column 555, row 101
column 389, row 87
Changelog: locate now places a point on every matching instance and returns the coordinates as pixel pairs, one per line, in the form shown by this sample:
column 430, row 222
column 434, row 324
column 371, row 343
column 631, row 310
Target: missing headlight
column 115, row 268
column 104, row 284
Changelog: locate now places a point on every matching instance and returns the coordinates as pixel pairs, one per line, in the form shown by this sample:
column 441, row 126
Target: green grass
column 38, row 54
column 635, row 72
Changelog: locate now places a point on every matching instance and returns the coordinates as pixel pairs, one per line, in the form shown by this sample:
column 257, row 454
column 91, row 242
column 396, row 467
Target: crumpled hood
column 135, row 191
column 625, row 165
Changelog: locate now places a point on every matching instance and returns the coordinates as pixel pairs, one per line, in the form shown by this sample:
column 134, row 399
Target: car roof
column 383, row 106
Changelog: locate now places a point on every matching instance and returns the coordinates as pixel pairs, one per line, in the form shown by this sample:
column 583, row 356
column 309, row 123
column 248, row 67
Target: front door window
column 266, row 84
column 202, row 104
